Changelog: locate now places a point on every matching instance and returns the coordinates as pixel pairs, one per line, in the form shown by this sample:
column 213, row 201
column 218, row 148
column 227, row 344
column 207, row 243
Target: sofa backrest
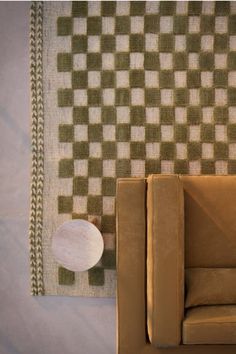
column 210, row 221
column 210, row 239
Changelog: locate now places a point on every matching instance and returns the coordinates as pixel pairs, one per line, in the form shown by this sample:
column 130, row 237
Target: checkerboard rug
column 122, row 89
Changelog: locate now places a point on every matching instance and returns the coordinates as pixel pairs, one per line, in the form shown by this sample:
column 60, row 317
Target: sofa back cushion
column 210, row 286
column 210, row 221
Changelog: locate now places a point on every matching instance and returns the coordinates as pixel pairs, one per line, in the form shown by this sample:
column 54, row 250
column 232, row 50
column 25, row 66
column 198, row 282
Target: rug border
column 37, row 148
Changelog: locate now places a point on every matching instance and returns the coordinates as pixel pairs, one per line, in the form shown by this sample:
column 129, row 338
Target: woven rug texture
column 122, row 89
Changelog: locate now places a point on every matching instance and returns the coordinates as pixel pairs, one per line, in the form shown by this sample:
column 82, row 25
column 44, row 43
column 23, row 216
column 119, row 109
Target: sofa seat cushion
column 210, row 325
column 210, row 286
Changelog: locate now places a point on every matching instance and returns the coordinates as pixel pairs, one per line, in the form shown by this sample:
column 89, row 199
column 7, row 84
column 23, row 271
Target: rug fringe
column 37, row 148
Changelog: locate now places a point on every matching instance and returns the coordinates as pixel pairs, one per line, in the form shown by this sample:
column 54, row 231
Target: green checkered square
column 94, row 205
column 122, row 61
column 123, row 168
column 108, row 223
column 79, row 8
column 167, row 151
column 136, row 43
column 122, row 25
column 221, row 78
column 80, row 185
column 181, row 133
column 65, row 276
column 181, row 166
column 221, row 115
column 166, row 79
column 80, row 150
column 232, row 24
column 108, row 8
column 64, row 62
column 137, row 8
column 151, row 23
column 65, row 97
column 167, row 115
column 65, row 205
column 207, row 133
column 194, row 7
column 194, row 78
column 108, row 43
column 66, row 168
column 222, row 8
column 221, row 150
column 109, row 259
column 208, row 167
column 152, row 133
column 193, row 42
column 232, row 132
column 180, row 60
column 136, row 78
column 96, row 276
column 152, row 166
column 95, row 167
column 123, row 132
column 206, row 61
column 108, row 186
column 64, row 26
column 95, row 132
column 108, row 115
column 109, row 150
column 194, row 114
column 166, row 42
column 79, row 79
column 180, row 24
column 108, row 79
column 207, row 24
column 79, row 44
column 207, row 96
column 152, row 97
column 194, row 150
column 80, row 115
column 94, row 25
column 66, row 133
column 221, row 43
column 137, row 115
column 122, row 97
column 167, row 8
column 137, row 150
column 181, row 97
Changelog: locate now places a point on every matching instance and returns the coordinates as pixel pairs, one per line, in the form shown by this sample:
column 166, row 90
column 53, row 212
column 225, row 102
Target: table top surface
column 77, row 245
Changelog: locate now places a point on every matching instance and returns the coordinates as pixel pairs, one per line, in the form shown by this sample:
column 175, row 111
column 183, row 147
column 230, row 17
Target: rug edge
column 37, row 149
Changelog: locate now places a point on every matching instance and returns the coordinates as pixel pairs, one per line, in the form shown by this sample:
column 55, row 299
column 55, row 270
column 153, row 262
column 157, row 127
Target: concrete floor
column 39, row 325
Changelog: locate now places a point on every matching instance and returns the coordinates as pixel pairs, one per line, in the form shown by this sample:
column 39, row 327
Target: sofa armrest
column 165, row 260
column 131, row 271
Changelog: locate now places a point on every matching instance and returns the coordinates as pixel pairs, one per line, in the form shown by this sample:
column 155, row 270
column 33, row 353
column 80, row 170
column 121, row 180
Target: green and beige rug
column 122, row 89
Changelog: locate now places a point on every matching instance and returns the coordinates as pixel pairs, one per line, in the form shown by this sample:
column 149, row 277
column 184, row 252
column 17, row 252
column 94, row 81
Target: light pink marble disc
column 77, row 245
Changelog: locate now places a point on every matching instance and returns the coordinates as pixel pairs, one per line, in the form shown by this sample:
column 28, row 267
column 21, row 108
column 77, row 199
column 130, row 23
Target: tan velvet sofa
column 176, row 264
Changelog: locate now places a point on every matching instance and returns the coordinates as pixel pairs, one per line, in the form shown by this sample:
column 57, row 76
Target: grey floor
column 28, row 324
